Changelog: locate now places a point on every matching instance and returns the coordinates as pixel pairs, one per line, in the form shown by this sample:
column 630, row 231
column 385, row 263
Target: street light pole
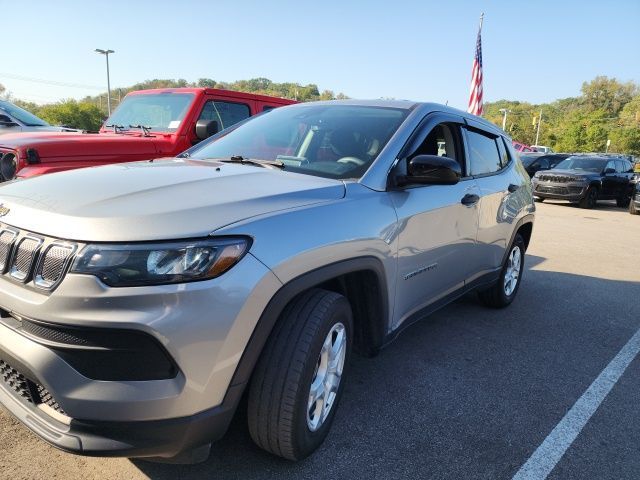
column 106, row 54
column 538, row 131
column 504, row 112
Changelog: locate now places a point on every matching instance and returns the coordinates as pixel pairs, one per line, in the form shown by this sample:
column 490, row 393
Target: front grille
column 26, row 257
column 47, row 399
column 553, row 190
column 26, row 390
column 556, row 178
column 17, row 382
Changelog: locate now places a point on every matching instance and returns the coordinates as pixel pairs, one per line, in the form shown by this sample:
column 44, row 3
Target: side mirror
column 431, row 170
column 206, row 128
column 608, row 171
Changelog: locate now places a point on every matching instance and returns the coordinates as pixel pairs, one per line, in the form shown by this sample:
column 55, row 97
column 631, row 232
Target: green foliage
column 607, row 109
column 82, row 115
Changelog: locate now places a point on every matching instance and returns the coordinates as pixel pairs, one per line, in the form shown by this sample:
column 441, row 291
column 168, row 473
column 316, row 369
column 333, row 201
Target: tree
column 607, row 94
column 82, row 115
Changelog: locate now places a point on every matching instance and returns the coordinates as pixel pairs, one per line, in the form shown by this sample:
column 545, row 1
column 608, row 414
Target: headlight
column 137, row 264
column 9, row 166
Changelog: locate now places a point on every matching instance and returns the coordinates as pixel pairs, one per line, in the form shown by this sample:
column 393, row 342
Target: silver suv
column 140, row 302
column 14, row 119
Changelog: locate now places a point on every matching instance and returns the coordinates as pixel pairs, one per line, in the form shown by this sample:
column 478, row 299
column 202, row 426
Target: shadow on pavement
column 469, row 392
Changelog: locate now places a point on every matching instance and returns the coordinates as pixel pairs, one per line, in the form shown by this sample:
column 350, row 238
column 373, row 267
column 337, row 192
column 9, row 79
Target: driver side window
column 440, row 142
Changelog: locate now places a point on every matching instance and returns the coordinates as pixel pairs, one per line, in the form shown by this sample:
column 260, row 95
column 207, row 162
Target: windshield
column 333, row 141
column 161, row 112
column 578, row 163
column 28, row 119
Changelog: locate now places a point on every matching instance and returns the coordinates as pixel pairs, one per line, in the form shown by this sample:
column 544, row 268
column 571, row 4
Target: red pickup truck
column 147, row 124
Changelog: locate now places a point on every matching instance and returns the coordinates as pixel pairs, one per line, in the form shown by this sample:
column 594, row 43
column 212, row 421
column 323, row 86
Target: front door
column 437, row 232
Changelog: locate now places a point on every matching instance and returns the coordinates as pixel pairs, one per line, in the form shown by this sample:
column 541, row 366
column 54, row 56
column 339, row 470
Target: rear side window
column 266, row 108
column 225, row 113
column 484, row 156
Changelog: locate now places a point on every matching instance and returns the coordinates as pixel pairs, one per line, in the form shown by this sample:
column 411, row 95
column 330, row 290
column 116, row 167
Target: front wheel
column 299, row 379
column 623, row 202
column 502, row 293
column 590, row 199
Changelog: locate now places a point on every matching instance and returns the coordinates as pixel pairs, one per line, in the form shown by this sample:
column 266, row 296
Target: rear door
column 610, row 181
column 499, row 182
column 437, row 232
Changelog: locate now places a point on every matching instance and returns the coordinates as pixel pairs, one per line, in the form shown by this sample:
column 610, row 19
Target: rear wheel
column 590, row 199
column 299, row 379
column 502, row 293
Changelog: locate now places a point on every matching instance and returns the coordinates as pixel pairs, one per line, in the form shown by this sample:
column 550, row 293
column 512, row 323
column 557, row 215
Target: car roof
column 425, row 107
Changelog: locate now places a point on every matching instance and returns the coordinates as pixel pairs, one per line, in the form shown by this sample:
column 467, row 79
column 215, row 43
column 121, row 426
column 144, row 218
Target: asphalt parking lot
column 468, row 392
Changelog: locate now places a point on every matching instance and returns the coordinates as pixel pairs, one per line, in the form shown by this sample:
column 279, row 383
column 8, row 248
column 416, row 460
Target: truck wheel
column 590, row 199
column 502, row 293
column 298, row 381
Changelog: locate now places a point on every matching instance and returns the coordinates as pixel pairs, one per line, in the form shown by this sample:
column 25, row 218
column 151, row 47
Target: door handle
column 513, row 188
column 470, row 199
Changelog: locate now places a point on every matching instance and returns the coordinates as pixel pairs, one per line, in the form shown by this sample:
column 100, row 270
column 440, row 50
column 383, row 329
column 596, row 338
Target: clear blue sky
column 534, row 51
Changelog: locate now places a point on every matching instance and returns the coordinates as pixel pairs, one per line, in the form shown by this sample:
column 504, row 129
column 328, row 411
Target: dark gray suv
column 139, row 302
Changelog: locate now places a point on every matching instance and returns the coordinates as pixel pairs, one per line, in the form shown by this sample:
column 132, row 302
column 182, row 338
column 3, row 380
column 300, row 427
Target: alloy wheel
column 327, row 376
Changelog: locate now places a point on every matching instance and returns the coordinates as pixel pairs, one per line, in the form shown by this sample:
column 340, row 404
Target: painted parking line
column 549, row 453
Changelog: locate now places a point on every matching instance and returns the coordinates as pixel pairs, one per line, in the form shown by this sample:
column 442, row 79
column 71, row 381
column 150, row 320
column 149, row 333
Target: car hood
column 156, row 200
column 569, row 173
column 66, row 144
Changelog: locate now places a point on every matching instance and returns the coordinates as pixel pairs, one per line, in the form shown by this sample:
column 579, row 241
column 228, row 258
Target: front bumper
column 573, row 192
column 159, row 438
column 203, row 326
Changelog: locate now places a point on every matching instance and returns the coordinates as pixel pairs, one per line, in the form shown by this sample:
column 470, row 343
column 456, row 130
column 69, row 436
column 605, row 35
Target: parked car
column 535, row 162
column 521, row 147
column 14, row 119
column 140, row 301
column 585, row 179
column 542, row 149
column 147, row 124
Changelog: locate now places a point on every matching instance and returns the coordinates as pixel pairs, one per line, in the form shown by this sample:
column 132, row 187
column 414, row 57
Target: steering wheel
column 359, row 162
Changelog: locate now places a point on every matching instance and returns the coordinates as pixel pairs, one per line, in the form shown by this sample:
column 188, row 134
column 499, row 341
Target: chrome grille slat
column 24, row 256
column 52, row 264
column 35, row 260
column 7, row 240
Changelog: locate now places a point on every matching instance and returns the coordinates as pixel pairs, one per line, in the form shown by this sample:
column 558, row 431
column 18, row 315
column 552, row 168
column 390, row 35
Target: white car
column 542, row 148
column 14, row 119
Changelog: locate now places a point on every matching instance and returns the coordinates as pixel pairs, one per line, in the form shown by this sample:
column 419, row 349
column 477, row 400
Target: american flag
column 475, row 96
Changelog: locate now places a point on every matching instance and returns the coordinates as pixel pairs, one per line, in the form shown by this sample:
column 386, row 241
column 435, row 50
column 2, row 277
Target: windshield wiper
column 252, row 161
column 115, row 127
column 145, row 130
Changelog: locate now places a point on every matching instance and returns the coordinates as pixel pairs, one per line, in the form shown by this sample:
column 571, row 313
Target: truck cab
column 147, row 124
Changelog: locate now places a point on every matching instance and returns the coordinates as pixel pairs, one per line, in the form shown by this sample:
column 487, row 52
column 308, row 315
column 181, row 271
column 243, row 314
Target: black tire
column 495, row 296
column 590, row 199
column 280, row 387
column 632, row 209
column 623, row 202
column 538, row 199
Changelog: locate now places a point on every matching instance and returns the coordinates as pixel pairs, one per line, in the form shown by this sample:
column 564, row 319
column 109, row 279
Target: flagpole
column 481, row 20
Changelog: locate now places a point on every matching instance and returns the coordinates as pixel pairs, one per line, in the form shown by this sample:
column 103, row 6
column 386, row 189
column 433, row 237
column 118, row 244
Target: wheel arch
column 361, row 280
